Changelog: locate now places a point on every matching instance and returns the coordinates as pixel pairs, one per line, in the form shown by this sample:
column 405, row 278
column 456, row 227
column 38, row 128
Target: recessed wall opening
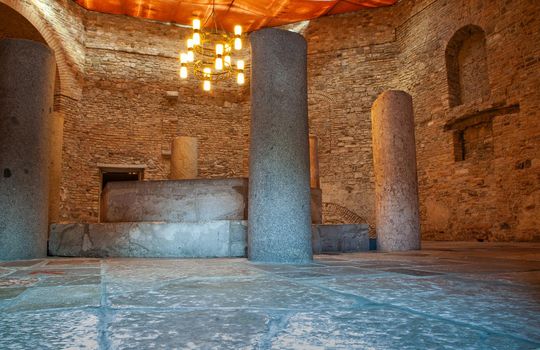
column 466, row 66
column 474, row 142
column 120, row 175
column 114, row 173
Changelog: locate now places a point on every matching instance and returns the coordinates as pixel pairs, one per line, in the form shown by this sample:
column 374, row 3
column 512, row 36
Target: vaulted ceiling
column 251, row 14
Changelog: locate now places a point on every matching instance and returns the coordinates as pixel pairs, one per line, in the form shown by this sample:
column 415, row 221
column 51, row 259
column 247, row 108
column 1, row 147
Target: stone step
column 208, row 239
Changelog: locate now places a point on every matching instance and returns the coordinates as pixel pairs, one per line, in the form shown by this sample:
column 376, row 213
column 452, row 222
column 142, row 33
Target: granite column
column 27, row 74
column 394, row 161
column 279, row 223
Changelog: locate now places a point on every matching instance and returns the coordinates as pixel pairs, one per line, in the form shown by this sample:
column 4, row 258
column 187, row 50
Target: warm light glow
column 219, row 49
column 206, row 85
column 197, row 62
column 183, row 72
column 196, row 39
column 237, row 30
column 219, row 63
column 240, row 79
column 237, row 44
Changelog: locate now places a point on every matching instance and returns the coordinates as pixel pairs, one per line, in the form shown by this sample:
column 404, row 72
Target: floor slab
column 451, row 295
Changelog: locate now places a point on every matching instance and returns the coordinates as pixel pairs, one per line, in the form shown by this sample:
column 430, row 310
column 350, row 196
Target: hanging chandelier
column 213, row 54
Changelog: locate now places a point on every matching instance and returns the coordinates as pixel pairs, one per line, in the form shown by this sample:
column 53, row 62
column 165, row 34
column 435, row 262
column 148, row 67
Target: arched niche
column 466, row 66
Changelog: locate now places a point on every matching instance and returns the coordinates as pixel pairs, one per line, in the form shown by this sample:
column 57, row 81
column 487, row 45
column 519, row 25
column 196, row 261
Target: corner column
column 396, row 184
column 27, row 74
column 279, row 226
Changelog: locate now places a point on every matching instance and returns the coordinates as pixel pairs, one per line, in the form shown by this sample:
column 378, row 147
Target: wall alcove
column 466, row 66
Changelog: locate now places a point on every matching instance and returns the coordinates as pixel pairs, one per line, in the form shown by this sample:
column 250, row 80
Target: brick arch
column 69, row 86
column 466, row 65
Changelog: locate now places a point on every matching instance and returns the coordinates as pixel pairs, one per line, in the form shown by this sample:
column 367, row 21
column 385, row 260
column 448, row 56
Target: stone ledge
column 222, row 238
column 340, row 238
column 208, row 239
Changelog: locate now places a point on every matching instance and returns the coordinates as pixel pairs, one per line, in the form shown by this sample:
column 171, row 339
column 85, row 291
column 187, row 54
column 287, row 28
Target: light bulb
column 196, row 39
column 228, row 60
column 219, row 63
column 237, row 30
column 207, row 72
column 219, row 49
column 206, row 85
column 240, row 79
column 183, row 72
column 240, row 64
column 190, row 56
column 189, row 43
column 183, row 58
column 196, row 24
column 238, row 44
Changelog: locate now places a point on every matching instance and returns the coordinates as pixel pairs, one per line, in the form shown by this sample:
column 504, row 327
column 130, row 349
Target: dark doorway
column 120, row 175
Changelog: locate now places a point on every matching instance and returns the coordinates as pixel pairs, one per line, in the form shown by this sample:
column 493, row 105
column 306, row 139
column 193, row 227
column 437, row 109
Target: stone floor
column 447, row 296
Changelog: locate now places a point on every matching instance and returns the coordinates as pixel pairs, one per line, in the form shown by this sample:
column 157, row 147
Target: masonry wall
column 127, row 120
column 351, row 60
column 493, row 193
column 478, row 161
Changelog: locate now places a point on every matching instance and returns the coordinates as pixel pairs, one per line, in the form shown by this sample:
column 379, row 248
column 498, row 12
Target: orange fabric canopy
column 251, row 14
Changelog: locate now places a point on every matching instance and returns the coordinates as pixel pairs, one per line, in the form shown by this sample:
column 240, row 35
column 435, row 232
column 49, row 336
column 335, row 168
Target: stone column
column 184, row 158
column 279, row 198
column 394, row 161
column 27, row 73
column 316, row 193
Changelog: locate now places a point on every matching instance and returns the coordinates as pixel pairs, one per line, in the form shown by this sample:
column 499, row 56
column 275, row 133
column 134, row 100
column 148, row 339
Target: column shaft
column 316, row 193
column 27, row 73
column 184, row 158
column 396, row 184
column 279, row 193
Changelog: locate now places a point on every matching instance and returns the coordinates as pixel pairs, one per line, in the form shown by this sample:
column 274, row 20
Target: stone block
column 175, row 200
column 218, row 238
column 340, row 238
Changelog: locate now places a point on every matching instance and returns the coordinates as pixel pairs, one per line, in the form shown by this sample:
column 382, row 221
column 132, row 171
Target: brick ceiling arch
column 69, row 86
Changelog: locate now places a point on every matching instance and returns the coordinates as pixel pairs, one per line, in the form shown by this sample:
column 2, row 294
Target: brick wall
column 126, row 119
column 494, row 192
column 351, row 60
column 478, row 159
column 491, row 194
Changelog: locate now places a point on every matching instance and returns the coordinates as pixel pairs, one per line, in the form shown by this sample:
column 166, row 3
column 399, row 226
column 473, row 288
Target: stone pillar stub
column 396, row 184
column 27, row 75
column 279, row 221
column 184, row 158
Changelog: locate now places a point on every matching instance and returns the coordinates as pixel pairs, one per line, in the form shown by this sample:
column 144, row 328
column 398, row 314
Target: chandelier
column 213, row 54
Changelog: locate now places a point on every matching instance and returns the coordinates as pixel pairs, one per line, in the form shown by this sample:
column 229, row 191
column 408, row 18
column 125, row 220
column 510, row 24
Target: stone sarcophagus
column 194, row 200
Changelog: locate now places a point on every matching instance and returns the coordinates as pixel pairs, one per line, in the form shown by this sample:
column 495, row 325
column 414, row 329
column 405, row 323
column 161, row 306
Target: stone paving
column 447, row 296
